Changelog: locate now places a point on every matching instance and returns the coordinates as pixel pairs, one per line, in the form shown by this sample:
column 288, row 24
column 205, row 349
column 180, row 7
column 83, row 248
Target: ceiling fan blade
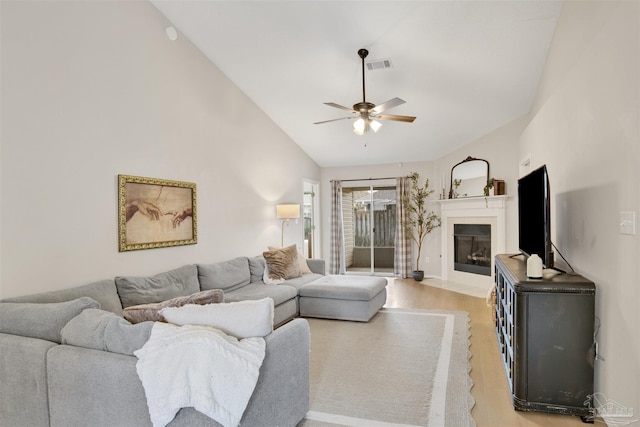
column 333, row 120
column 407, row 119
column 387, row 105
column 342, row 107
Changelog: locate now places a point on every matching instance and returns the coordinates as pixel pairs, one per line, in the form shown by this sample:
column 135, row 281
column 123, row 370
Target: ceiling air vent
column 379, row 64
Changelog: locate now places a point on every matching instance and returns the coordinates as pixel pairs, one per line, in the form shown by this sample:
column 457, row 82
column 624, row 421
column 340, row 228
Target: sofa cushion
column 299, row 282
column 103, row 291
column 150, row 312
column 282, row 263
column 253, row 291
column 44, row 321
column 316, row 265
column 181, row 281
column 257, row 265
column 227, row 275
column 103, row 330
column 23, row 381
column 243, row 319
column 343, row 287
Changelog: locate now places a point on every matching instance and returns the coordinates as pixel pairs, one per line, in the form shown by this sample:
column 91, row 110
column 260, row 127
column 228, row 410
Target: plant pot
column 418, row 275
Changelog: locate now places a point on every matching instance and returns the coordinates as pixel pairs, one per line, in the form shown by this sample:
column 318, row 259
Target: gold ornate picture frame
column 155, row 213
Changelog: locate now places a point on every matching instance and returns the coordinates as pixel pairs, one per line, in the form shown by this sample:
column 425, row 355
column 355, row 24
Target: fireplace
column 472, row 248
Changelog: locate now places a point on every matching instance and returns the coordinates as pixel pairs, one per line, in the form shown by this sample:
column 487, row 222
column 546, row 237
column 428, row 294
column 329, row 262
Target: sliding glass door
column 369, row 221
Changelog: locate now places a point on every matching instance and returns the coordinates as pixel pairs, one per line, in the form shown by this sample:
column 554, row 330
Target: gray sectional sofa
column 46, row 383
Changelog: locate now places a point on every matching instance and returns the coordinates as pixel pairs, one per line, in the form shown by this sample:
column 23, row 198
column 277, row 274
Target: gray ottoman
column 343, row 297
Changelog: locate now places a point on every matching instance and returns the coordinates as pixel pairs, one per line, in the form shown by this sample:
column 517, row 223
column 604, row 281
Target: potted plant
column 489, row 186
column 421, row 221
column 454, row 188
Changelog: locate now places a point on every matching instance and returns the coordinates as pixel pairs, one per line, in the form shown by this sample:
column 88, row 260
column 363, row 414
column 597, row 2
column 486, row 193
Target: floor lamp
column 286, row 213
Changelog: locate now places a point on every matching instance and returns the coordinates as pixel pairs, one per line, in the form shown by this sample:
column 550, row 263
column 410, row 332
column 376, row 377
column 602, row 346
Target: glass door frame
column 371, row 185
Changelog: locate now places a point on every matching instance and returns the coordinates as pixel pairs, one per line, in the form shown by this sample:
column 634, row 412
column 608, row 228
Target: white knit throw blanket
column 199, row 367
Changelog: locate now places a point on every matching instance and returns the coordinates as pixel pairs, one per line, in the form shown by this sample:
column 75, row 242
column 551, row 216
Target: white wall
column 585, row 127
column 95, row 89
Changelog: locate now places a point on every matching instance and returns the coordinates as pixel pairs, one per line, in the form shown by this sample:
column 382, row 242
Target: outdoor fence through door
column 369, row 221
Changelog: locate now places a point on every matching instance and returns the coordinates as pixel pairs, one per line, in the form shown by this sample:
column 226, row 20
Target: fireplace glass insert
column 472, row 248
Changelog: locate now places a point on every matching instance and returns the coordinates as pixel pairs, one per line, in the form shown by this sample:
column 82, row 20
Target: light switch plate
column 628, row 223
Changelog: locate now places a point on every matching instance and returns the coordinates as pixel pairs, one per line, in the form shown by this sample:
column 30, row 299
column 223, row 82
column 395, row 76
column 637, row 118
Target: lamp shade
column 288, row 211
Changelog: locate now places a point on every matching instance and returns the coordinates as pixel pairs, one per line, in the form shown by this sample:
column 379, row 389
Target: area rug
column 402, row 368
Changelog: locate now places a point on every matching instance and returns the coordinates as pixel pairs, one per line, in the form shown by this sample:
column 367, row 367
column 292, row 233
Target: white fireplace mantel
column 493, row 202
column 472, row 210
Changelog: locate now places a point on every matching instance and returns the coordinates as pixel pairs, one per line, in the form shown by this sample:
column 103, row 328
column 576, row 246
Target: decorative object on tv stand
column 155, row 213
column 534, row 267
column 421, row 220
column 469, row 178
column 287, row 212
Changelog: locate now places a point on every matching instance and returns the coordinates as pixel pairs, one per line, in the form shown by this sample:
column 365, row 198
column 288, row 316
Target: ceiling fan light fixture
column 362, row 126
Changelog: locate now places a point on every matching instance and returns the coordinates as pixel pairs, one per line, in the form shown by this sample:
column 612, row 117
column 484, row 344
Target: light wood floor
column 490, row 390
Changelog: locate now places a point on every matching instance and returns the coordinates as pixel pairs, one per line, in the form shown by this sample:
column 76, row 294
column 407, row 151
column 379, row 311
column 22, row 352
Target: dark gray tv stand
column 545, row 333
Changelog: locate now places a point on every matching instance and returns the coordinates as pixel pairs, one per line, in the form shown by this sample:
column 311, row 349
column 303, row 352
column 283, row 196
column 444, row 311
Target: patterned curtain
column 336, row 249
column 402, row 254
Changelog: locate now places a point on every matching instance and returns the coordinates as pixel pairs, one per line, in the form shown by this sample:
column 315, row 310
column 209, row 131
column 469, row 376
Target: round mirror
column 468, row 178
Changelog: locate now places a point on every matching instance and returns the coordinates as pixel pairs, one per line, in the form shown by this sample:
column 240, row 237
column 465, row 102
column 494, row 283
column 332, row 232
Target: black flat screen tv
column 534, row 216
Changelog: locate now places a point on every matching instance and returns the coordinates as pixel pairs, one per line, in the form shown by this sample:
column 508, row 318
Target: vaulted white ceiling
column 464, row 68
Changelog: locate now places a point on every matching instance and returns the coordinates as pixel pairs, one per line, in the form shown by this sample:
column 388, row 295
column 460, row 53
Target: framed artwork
column 155, row 213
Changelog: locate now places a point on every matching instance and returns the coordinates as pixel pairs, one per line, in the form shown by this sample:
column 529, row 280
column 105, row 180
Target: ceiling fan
column 366, row 113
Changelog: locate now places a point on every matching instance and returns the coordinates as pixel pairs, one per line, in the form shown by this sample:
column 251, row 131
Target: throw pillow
column 181, row 281
column 282, row 263
column 44, row 321
column 150, row 312
column 302, row 262
column 266, row 278
column 102, row 330
column 243, row 319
